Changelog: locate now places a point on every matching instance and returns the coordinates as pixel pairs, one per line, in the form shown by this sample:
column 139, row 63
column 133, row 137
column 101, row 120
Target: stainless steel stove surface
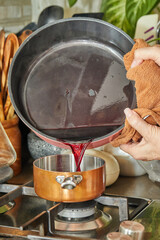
column 24, row 215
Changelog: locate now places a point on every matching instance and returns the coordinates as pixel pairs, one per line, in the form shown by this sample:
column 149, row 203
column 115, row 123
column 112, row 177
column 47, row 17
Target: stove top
column 24, row 215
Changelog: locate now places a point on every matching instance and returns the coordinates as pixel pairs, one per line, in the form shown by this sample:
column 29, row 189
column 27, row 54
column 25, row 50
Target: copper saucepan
column 56, row 179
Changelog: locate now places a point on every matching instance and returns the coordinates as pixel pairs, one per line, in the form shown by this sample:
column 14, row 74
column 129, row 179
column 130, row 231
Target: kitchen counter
column 135, row 187
column 140, row 186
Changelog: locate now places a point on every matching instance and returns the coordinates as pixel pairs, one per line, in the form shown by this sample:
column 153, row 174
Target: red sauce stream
column 78, row 152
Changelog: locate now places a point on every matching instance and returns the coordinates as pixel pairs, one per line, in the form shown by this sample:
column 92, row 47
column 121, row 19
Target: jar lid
column 118, row 236
column 132, row 228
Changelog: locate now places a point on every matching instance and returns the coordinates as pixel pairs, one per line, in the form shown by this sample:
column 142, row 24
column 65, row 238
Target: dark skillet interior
column 68, row 80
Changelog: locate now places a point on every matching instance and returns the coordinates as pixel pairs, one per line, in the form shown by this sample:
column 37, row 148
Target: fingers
column 136, row 62
column 128, row 148
column 132, row 149
column 143, row 150
column 137, row 152
column 146, row 53
column 137, row 123
column 148, row 148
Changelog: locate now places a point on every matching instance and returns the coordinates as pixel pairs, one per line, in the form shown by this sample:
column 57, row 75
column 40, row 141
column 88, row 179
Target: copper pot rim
column 66, row 172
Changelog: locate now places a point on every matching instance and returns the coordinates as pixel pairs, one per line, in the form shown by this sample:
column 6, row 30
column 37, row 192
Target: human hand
column 146, row 53
column 149, row 146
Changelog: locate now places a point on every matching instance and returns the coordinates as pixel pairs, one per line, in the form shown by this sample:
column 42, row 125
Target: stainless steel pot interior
column 67, row 81
column 66, row 163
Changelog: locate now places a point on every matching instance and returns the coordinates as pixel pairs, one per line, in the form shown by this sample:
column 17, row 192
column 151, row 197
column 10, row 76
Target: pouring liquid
column 78, row 151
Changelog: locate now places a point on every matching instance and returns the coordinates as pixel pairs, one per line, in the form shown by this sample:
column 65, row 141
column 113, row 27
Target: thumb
column 137, row 122
column 145, row 54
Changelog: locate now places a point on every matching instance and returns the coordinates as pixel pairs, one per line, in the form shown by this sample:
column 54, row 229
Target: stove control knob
column 117, row 236
column 133, row 229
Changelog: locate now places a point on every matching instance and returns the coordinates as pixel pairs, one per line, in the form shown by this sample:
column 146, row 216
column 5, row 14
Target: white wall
column 82, row 6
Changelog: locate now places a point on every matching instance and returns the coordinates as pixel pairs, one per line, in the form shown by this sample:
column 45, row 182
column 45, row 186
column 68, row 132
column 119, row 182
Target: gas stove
column 24, row 215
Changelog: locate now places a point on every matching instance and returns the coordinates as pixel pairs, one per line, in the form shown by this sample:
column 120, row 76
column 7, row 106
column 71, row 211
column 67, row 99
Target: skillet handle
column 69, row 182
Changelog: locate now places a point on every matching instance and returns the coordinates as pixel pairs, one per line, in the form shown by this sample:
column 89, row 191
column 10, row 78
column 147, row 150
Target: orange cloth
column 147, row 84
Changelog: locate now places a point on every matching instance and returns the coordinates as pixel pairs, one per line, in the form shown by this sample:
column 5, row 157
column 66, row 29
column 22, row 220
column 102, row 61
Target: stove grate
column 42, row 225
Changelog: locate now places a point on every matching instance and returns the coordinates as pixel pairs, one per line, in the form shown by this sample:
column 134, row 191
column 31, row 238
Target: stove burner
column 78, row 211
column 99, row 221
column 78, row 217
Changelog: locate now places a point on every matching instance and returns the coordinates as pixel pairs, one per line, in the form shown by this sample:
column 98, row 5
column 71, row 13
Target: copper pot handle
column 69, row 182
